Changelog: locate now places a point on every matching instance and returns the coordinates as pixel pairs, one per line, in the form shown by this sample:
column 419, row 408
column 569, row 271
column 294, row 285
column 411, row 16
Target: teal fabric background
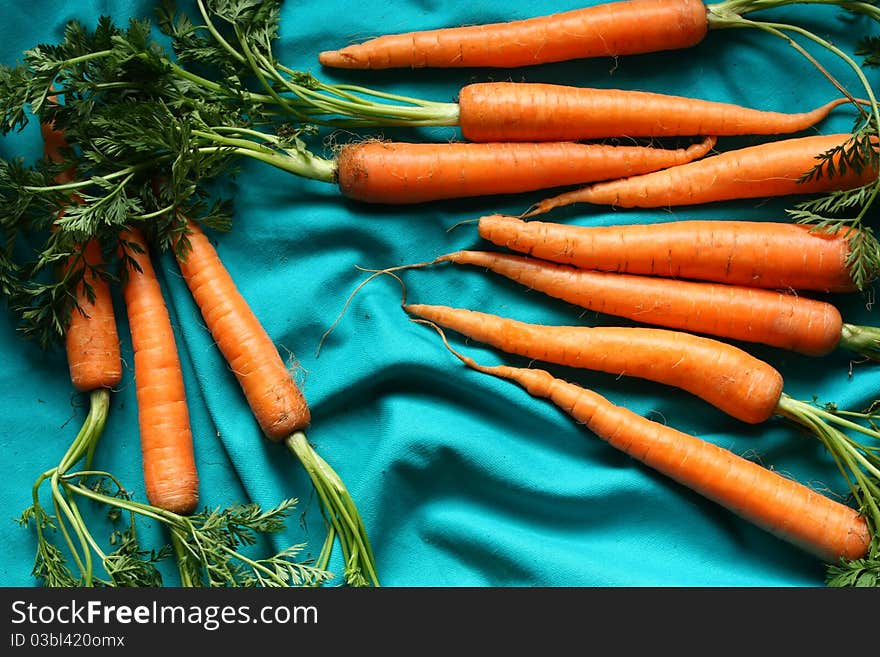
column 462, row 480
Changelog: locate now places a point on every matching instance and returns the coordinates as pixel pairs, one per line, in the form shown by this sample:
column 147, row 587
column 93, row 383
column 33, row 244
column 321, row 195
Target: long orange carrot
column 727, row 377
column 785, row 508
column 91, row 338
column 612, row 29
column 163, row 417
column 274, row 397
column 395, row 172
column 731, row 379
column 774, row 168
column 277, row 402
column 521, row 111
column 776, row 255
column 789, row 321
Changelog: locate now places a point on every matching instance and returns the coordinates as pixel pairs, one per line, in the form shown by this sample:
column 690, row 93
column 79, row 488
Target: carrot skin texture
column 398, row 173
column 276, row 401
column 520, row 111
column 723, row 375
column 775, row 255
column 607, row 30
column 788, row 321
column 163, row 417
column 765, row 170
column 785, row 508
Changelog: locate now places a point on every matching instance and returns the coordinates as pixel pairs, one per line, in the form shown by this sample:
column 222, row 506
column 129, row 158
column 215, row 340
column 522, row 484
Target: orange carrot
column 727, row 377
column 612, row 29
column 789, row 321
column 519, row 111
column 276, row 401
column 90, row 337
column 395, row 173
column 163, row 417
column 787, row 509
column 775, row 255
column 769, row 169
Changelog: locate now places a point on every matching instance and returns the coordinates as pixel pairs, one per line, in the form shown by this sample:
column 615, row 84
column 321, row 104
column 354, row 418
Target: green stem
column 342, row 511
column 298, row 162
column 863, row 340
column 859, row 464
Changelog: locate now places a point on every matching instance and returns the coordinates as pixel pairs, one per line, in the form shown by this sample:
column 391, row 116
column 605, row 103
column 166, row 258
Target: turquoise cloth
column 461, row 479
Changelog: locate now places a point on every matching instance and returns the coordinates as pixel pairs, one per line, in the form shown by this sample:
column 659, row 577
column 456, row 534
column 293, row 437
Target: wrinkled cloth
column 461, row 479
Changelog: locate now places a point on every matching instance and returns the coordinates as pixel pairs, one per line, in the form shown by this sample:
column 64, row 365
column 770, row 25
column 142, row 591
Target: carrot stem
column 344, row 517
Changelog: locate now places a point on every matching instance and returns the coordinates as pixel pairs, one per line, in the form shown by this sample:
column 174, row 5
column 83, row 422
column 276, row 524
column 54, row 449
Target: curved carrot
column 521, row 111
column 394, row 172
column 770, row 169
column 774, row 255
column 788, row 321
column 785, row 508
column 163, row 417
column 723, row 375
column 276, row 401
column 612, row 29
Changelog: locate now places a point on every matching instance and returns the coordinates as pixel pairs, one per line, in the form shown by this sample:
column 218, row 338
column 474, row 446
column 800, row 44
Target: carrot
column 90, row 337
column 727, row 377
column 396, row 173
column 776, row 168
column 278, row 404
column 775, row 255
column 520, row 111
column 612, row 29
column 797, row 323
column 785, row 508
column 731, row 379
column 163, row 417
column 609, row 29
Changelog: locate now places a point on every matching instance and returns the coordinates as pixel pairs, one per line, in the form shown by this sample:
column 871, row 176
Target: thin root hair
column 375, row 273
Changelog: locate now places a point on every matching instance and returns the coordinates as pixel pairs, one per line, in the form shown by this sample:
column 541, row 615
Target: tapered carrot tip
column 335, row 58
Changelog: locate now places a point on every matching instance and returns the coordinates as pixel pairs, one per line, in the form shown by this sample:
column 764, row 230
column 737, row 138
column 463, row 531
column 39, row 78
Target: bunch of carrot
column 169, row 469
column 700, row 284
column 526, row 137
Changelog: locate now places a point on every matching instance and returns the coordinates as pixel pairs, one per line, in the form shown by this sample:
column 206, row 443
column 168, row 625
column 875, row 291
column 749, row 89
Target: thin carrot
column 722, row 374
column 775, row 255
column 787, row 509
column 91, row 338
column 789, row 321
column 521, row 111
column 612, row 29
column 277, row 402
column 396, row 173
column 731, row 379
column 95, row 366
column 776, row 168
column 163, row 417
